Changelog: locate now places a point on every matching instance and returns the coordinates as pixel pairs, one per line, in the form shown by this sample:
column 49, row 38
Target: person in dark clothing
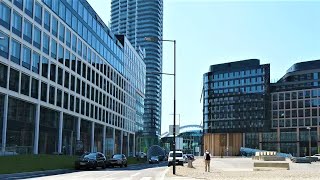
column 207, row 159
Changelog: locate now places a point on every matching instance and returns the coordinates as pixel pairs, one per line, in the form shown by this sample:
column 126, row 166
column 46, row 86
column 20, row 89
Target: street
column 135, row 172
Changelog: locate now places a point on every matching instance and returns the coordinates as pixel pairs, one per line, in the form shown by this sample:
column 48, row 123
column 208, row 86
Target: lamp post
column 155, row 39
column 309, row 140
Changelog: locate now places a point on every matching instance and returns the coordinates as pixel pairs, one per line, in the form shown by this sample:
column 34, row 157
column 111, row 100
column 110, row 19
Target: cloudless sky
column 212, row 32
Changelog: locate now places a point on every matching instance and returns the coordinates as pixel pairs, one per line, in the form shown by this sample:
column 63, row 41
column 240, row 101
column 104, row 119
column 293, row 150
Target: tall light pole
column 309, row 140
column 155, row 39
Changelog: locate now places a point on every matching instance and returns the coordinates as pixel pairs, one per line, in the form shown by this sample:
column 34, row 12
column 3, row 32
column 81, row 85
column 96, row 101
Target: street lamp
column 155, row 39
column 309, row 140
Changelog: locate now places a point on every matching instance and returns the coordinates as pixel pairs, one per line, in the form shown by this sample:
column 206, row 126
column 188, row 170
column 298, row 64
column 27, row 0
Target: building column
column 134, row 145
column 260, row 140
column 60, row 132
column 121, row 144
column 318, row 139
column 227, row 148
column 36, row 130
column 4, row 123
column 128, row 142
column 114, row 140
column 278, row 139
column 243, row 139
column 104, row 139
column 78, row 128
column 298, row 142
column 92, row 136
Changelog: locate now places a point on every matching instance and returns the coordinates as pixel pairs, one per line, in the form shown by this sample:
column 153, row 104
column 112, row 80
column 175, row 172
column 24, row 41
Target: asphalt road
column 136, row 172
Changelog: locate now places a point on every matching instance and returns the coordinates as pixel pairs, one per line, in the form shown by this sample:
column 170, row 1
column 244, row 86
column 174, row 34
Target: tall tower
column 137, row 19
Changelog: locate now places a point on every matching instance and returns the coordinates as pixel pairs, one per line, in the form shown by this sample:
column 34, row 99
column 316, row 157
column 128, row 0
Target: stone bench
column 272, row 158
column 269, row 165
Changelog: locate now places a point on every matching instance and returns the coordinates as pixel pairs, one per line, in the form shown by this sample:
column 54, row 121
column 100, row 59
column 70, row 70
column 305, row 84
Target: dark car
column 118, row 160
column 154, row 159
column 91, row 160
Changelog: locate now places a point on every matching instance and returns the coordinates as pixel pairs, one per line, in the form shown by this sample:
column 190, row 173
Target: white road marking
column 146, row 178
column 136, row 174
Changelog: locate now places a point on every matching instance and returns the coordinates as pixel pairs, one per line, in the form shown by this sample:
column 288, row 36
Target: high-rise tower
column 138, row 19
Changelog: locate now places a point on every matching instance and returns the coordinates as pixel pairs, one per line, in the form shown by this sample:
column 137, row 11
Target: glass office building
column 65, row 84
column 235, row 102
column 137, row 19
column 295, row 108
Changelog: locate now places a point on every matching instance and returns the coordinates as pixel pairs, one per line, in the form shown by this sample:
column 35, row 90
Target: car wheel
column 126, row 165
column 103, row 166
column 77, row 168
column 121, row 165
column 94, row 166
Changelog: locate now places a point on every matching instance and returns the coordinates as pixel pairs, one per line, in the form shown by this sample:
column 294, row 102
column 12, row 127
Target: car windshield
column 117, row 156
column 89, row 156
column 154, row 157
column 177, row 154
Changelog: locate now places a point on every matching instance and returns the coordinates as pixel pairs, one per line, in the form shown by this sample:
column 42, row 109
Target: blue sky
column 212, row 32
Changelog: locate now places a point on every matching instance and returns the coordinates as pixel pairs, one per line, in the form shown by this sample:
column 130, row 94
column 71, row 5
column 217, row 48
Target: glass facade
column 236, row 97
column 75, row 68
column 126, row 20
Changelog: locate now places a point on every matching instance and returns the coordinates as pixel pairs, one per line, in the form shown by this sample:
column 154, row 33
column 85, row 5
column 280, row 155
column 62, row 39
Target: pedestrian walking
column 207, row 158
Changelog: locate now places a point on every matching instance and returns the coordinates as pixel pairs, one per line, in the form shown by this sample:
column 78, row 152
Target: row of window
column 296, row 104
column 295, row 113
column 237, row 74
column 295, row 122
column 237, row 82
column 296, row 95
column 235, row 124
column 53, row 95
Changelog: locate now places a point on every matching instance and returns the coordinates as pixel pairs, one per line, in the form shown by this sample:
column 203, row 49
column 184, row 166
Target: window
column 78, row 86
column 45, row 43
column 53, row 49
column 52, row 94
column 61, row 32
column 68, row 37
column 60, row 54
column 18, row 3
column 71, row 103
column 67, row 58
column 3, row 75
column 74, row 23
column 62, row 11
column 4, row 45
column 54, row 26
column 45, row 67
column 72, row 84
column 25, row 84
column 15, row 51
column 73, row 62
column 34, row 88
column 74, row 42
column 17, row 24
column 59, row 97
column 26, row 60
column 44, row 88
column 77, row 105
column 53, row 72
column 60, row 76
column 14, row 80
column 35, row 62
column 79, row 47
column 55, row 6
column 68, row 17
column 47, row 19
column 65, row 100
column 28, row 7
column 5, row 15
column 79, row 28
column 37, row 38
column 38, row 13
column 66, row 79
column 27, row 31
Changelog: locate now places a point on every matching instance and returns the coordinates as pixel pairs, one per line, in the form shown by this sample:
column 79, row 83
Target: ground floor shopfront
column 32, row 127
column 295, row 141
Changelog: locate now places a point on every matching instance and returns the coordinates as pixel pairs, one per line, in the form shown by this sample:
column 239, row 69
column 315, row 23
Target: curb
column 35, row 173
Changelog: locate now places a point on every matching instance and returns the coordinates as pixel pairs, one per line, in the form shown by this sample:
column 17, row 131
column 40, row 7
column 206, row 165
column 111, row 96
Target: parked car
column 91, row 160
column 118, row 160
column 317, row 156
column 179, row 158
column 154, row 159
column 301, row 160
column 141, row 154
column 312, row 159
